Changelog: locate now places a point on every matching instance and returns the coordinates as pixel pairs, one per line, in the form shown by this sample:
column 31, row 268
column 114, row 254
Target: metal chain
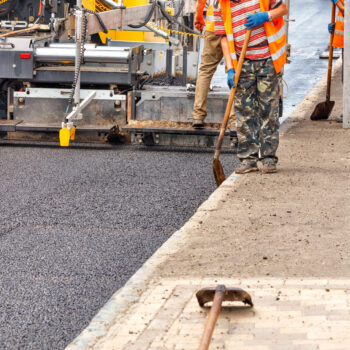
column 79, row 59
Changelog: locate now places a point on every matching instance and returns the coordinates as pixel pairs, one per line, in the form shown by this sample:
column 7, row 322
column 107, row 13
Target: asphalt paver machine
column 100, row 69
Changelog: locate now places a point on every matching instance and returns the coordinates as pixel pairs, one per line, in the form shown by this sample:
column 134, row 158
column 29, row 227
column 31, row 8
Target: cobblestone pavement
column 306, row 314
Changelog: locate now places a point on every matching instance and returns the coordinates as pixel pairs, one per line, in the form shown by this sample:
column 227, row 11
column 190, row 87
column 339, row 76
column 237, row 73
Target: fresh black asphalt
column 76, row 223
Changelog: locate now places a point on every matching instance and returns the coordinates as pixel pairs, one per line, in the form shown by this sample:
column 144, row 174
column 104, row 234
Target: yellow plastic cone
column 64, row 137
column 72, row 133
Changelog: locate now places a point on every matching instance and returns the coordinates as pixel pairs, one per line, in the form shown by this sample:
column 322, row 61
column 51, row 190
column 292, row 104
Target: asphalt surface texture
column 76, row 223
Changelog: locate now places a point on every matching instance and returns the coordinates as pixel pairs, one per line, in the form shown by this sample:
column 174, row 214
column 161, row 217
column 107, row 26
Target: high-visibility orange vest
column 275, row 32
column 338, row 40
column 209, row 21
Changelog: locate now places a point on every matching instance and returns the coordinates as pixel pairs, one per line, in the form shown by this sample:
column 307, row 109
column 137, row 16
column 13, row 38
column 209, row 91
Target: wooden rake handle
column 212, row 318
column 21, row 31
column 232, row 95
column 330, row 57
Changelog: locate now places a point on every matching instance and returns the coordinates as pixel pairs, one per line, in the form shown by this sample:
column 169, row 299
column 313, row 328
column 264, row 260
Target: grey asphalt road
column 76, row 223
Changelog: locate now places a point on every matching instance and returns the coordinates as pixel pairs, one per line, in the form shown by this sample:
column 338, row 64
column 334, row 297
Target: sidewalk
column 282, row 237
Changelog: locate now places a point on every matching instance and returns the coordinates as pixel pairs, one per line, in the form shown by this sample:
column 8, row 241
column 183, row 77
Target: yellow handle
column 64, row 137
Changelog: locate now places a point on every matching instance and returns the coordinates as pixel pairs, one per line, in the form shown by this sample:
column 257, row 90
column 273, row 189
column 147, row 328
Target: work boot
column 246, row 167
column 268, row 166
column 198, row 124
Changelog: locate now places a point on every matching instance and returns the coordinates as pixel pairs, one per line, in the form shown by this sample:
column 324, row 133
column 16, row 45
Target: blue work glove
column 335, row 1
column 256, row 20
column 331, row 27
column 231, row 78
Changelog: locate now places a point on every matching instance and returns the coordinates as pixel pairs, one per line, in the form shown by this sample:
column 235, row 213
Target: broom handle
column 232, row 95
column 330, row 58
column 21, row 31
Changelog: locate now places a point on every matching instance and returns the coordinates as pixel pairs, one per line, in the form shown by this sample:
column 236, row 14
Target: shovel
column 217, row 166
column 217, row 296
column 324, row 109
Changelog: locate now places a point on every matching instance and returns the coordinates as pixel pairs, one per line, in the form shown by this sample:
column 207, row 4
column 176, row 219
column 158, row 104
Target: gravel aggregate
column 76, row 223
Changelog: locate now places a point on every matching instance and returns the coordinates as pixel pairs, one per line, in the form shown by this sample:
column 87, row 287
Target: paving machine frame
column 61, row 76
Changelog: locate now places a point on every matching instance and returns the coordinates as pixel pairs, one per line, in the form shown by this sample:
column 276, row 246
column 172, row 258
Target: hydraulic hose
column 146, row 19
column 178, row 13
column 161, row 6
column 103, row 26
column 173, row 19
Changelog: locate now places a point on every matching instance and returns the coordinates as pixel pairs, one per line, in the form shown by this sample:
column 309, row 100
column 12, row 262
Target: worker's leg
column 211, row 56
column 268, row 99
column 246, row 114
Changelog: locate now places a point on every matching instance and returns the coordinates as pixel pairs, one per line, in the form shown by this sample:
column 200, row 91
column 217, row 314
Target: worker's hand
column 199, row 22
column 231, row 78
column 331, row 27
column 334, row 1
column 256, row 19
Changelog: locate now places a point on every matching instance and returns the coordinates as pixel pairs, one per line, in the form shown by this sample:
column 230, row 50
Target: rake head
column 218, row 172
column 322, row 110
column 206, row 295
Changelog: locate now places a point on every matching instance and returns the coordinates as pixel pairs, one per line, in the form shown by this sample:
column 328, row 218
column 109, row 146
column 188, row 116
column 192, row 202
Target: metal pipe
column 57, row 55
column 157, row 31
column 111, row 3
column 79, row 108
column 184, row 65
column 70, row 45
column 90, row 46
column 168, row 65
column 78, row 44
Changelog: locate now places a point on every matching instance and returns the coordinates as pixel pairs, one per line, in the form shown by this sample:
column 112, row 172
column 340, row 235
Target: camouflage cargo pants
column 257, row 110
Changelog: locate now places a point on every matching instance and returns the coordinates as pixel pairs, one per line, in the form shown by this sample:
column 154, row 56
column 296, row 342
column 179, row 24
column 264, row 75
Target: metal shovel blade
column 206, row 295
column 218, row 172
column 322, row 110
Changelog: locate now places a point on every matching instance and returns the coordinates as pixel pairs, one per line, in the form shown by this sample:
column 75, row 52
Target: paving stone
column 178, row 323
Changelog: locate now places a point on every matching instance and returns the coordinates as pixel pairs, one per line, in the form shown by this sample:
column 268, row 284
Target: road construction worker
column 258, row 92
column 338, row 40
column 211, row 57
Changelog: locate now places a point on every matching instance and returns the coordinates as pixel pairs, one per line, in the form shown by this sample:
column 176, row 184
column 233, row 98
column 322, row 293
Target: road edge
column 122, row 299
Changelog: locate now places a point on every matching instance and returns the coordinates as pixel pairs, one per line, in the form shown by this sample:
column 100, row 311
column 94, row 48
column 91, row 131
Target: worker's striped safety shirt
column 267, row 40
